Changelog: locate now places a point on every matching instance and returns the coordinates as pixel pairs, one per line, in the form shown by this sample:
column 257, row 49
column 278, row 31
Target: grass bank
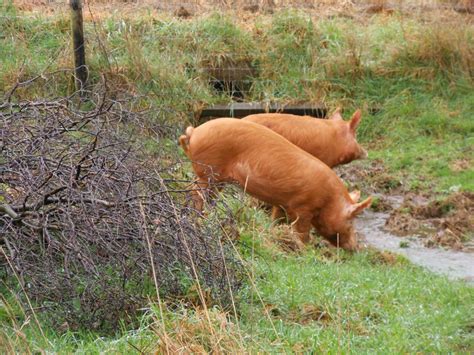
column 415, row 72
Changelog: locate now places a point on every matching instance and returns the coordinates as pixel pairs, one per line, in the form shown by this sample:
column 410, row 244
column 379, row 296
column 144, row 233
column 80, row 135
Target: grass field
column 316, row 301
column 417, row 71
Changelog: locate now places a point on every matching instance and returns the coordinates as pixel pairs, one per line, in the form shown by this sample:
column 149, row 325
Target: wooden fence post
column 78, row 45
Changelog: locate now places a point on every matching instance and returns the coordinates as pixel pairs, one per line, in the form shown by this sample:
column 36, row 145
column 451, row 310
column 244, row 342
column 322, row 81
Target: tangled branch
column 79, row 194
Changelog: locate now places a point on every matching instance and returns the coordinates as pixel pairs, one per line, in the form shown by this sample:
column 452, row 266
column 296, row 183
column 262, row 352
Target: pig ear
column 359, row 207
column 336, row 115
column 355, row 120
column 355, row 196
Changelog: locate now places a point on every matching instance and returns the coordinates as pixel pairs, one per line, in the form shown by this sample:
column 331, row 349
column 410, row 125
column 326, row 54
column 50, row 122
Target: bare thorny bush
column 85, row 209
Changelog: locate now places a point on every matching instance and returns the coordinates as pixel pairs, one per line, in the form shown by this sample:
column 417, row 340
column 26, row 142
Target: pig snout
column 347, row 243
column 352, row 247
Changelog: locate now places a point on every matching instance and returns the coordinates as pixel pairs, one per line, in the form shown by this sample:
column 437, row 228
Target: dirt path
column 454, row 264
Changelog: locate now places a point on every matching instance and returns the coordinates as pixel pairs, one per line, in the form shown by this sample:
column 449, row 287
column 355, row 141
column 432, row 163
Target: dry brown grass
column 246, row 8
column 442, row 46
column 284, row 237
column 199, row 332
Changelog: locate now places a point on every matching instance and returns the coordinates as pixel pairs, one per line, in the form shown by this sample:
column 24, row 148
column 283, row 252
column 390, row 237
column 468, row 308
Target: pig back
column 315, row 136
column 265, row 164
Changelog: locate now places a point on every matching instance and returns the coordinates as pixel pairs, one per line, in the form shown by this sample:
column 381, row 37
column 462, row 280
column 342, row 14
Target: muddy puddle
column 433, row 231
column 454, row 264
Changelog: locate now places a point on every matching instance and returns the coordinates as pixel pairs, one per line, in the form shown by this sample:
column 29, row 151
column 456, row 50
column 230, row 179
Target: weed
column 404, row 244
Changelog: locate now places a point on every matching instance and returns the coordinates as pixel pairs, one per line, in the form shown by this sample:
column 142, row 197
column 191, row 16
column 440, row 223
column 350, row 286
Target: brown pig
column 332, row 141
column 270, row 168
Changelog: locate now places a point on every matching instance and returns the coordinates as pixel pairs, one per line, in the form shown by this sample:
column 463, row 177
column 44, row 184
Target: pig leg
column 301, row 224
column 197, row 194
column 278, row 214
column 329, row 241
column 200, row 189
column 203, row 190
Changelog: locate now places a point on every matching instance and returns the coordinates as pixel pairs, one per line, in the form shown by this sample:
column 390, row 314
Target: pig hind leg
column 203, row 191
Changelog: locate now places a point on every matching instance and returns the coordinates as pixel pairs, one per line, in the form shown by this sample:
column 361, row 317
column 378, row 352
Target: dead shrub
column 84, row 210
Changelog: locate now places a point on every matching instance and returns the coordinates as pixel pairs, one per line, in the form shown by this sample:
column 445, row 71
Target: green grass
column 314, row 301
column 420, row 137
column 419, row 74
column 370, row 301
column 368, row 306
column 318, row 300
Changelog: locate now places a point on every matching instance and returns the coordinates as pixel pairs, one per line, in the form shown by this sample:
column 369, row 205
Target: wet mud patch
column 369, row 177
column 448, row 222
column 454, row 264
column 381, row 203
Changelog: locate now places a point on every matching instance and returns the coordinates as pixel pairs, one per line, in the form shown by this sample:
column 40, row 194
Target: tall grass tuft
column 194, row 331
column 439, row 48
